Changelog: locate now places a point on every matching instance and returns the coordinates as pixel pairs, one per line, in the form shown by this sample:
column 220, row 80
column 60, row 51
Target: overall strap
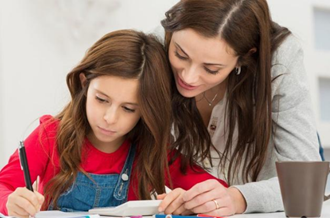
column 121, row 190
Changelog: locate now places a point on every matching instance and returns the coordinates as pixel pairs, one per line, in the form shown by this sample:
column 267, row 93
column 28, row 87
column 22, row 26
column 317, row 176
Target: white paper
column 60, row 214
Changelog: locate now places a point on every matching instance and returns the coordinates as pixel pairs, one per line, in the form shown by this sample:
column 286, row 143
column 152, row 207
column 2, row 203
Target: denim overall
column 107, row 190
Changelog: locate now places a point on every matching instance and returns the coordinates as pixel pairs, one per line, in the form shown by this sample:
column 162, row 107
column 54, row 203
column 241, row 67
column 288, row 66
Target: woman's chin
column 187, row 94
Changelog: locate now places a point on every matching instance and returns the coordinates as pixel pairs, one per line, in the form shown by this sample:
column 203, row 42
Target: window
column 324, row 87
column 322, row 28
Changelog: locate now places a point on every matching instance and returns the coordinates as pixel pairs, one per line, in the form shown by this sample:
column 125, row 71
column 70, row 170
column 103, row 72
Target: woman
column 243, row 102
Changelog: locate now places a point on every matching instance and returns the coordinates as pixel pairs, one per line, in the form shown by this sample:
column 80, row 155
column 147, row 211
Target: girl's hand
column 22, row 203
column 212, row 198
column 172, row 203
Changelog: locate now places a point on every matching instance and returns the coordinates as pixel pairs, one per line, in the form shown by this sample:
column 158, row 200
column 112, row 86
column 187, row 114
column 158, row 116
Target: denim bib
column 105, row 190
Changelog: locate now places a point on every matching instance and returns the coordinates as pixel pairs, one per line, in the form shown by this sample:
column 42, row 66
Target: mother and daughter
column 234, row 95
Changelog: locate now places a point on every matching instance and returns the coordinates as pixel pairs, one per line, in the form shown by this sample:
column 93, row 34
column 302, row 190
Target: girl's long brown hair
column 126, row 54
column 244, row 25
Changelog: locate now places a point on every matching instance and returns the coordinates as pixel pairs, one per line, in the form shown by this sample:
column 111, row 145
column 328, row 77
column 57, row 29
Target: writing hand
column 172, row 203
column 24, row 203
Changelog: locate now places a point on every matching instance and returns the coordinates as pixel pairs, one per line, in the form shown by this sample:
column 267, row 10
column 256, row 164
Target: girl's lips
column 107, row 132
column 185, row 85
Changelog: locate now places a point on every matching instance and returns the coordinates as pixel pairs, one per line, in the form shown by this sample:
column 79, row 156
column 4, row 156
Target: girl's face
column 199, row 63
column 112, row 110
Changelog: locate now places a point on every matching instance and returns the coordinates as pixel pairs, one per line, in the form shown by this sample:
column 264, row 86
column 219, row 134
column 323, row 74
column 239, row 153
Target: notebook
column 130, row 208
column 60, row 214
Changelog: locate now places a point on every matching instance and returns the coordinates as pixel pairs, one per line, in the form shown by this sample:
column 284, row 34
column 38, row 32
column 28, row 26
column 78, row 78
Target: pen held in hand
column 24, row 165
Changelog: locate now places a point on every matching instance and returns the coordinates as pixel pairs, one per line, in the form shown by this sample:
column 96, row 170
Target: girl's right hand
column 172, row 202
column 24, row 203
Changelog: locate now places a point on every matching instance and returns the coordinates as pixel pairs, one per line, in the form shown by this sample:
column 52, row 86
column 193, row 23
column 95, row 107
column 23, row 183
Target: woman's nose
column 190, row 75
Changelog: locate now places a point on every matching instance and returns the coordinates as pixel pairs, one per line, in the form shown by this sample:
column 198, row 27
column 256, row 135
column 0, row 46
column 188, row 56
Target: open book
column 130, row 208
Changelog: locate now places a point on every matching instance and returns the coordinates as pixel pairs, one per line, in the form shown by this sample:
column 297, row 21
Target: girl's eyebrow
column 208, row 64
column 101, row 92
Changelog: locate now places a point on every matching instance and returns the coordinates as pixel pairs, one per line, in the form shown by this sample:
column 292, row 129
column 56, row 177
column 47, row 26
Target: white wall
column 2, row 146
column 41, row 41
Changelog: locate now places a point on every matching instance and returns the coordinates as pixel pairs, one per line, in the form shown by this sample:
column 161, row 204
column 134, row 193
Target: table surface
column 325, row 213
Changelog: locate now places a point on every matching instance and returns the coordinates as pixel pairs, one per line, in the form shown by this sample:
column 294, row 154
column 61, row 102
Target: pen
column 24, row 165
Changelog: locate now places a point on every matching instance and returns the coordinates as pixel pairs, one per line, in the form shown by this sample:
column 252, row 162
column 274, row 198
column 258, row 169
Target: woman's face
column 199, row 63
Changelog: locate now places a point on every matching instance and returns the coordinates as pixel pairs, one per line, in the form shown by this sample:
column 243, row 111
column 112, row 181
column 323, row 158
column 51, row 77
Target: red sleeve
column 37, row 146
column 192, row 177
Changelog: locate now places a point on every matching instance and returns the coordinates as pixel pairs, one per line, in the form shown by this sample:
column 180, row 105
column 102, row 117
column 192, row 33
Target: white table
column 325, row 213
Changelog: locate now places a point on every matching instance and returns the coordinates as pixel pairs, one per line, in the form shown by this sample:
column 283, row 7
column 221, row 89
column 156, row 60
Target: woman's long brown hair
column 126, row 54
column 244, row 25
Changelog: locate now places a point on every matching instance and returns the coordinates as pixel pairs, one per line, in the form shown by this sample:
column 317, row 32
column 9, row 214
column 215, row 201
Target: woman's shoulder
column 289, row 77
column 288, row 51
column 288, row 57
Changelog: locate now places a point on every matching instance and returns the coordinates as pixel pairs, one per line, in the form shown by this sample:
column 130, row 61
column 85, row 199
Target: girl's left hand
column 172, row 203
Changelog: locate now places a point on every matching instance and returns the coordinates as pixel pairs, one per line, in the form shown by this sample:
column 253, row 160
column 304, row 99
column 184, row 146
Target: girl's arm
column 11, row 176
column 193, row 175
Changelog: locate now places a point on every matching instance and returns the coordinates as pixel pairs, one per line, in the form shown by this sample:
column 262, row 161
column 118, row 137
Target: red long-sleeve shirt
column 43, row 160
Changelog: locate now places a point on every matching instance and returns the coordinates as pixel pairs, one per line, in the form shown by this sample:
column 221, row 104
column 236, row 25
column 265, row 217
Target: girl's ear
column 82, row 79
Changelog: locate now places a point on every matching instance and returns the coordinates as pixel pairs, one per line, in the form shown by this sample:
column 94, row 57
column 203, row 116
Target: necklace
column 208, row 101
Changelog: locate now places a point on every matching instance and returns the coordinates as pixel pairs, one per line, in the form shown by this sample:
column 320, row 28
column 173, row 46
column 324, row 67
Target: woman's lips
column 185, row 85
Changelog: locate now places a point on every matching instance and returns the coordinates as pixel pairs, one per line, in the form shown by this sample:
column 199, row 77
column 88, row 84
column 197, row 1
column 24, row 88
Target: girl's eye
column 211, row 71
column 129, row 110
column 179, row 56
column 101, row 100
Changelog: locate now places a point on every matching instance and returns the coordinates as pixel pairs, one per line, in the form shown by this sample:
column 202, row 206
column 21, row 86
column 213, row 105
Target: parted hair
column 245, row 25
column 127, row 54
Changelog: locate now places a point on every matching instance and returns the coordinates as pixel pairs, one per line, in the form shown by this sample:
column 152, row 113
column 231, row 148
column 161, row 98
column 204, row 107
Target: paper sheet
column 60, row 214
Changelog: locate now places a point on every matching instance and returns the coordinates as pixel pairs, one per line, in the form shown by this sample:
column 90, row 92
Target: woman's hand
column 172, row 203
column 212, row 198
column 24, row 203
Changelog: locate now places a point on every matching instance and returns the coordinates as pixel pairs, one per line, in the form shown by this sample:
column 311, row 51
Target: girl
column 109, row 144
column 244, row 101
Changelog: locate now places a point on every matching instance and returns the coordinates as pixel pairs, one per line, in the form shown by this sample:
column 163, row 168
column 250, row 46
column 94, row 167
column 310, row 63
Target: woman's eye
column 211, row 71
column 180, row 56
column 101, row 99
column 129, row 110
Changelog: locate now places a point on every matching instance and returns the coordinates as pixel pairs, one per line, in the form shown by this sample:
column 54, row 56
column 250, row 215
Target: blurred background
column 41, row 41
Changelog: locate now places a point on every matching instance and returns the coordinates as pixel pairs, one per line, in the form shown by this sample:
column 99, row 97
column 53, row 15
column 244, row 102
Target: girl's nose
column 111, row 115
